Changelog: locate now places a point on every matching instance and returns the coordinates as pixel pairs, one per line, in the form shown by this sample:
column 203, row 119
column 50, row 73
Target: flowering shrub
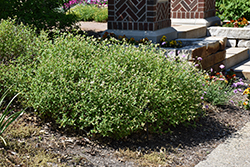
column 241, row 22
column 113, row 90
column 163, row 43
column 15, row 40
column 246, row 103
column 172, row 43
column 123, row 38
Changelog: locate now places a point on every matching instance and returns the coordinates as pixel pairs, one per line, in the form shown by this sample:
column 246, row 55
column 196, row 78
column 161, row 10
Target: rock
column 235, row 33
column 244, row 43
column 231, row 43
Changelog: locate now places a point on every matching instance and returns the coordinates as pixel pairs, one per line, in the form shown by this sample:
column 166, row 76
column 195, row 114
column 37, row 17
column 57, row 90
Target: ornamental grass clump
column 7, row 117
column 113, row 90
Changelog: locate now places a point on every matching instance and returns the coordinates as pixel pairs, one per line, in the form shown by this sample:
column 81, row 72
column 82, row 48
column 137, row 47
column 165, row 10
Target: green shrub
column 112, row 89
column 90, row 13
column 101, row 15
column 233, row 10
column 42, row 14
column 15, row 40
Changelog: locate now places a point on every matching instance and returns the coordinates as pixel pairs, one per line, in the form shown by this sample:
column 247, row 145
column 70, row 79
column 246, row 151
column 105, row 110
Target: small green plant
column 217, row 89
column 4, row 121
column 233, row 10
column 101, row 15
column 246, row 103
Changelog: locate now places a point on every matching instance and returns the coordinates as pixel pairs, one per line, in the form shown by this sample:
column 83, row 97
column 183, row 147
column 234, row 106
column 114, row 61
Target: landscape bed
column 93, row 103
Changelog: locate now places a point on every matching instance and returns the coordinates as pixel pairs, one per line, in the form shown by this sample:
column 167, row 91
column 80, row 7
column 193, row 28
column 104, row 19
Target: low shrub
column 15, row 40
column 86, row 12
column 114, row 89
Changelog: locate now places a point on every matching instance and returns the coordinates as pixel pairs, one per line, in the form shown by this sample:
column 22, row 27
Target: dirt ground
column 33, row 141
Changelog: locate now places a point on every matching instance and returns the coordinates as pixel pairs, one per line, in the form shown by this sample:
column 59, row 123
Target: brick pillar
column 138, row 15
column 194, row 9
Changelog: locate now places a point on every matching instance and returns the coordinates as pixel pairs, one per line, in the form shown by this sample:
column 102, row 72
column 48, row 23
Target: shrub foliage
column 15, row 40
column 112, row 89
column 233, row 10
column 90, row 13
column 43, row 14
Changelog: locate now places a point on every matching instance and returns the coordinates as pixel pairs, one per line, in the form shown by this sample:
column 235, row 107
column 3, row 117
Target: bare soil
column 184, row 146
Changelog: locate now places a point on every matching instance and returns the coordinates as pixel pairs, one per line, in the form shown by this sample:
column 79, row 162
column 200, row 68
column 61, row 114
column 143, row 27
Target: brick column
column 130, row 17
column 194, row 12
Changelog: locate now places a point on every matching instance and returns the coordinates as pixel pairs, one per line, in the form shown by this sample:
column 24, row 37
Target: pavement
column 234, row 152
column 93, row 26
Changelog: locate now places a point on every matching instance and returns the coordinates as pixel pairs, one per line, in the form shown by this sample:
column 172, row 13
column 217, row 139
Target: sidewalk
column 234, row 152
column 93, row 26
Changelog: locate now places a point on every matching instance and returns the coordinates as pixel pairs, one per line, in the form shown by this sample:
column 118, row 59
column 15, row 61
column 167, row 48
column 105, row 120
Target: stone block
column 154, row 36
column 222, row 41
column 191, row 31
column 213, row 59
column 187, row 53
column 207, row 22
column 244, row 43
column 211, row 46
column 192, row 52
column 234, row 56
column 234, row 33
column 231, row 43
